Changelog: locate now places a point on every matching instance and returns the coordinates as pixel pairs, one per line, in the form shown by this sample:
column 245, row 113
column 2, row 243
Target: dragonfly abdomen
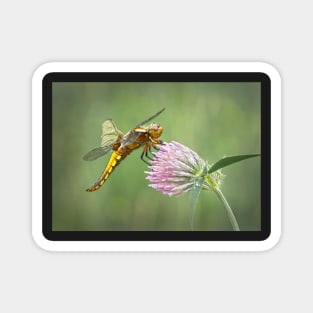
column 114, row 161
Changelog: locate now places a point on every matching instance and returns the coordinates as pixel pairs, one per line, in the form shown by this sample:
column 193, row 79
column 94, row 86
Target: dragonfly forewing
column 110, row 133
column 150, row 118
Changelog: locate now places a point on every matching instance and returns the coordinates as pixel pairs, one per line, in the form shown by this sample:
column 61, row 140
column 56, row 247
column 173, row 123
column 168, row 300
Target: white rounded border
column 262, row 67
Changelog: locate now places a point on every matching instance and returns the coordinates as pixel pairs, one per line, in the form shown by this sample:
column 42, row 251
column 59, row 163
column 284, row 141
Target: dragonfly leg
column 160, row 142
column 148, row 156
column 155, row 145
column 142, row 157
column 150, row 150
column 145, row 154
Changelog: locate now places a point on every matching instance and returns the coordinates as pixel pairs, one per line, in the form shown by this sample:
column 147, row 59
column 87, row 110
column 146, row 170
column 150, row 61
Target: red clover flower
column 176, row 169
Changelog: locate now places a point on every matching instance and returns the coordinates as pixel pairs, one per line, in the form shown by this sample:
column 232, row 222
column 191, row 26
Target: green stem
column 230, row 213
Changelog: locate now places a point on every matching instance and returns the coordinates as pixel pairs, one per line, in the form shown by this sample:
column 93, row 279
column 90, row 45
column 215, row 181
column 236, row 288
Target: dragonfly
column 122, row 145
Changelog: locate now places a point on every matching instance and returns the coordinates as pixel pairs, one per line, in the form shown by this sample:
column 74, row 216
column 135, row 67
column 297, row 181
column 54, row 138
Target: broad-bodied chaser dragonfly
column 122, row 145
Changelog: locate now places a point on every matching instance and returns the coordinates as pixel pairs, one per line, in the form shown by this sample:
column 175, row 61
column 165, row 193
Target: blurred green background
column 213, row 119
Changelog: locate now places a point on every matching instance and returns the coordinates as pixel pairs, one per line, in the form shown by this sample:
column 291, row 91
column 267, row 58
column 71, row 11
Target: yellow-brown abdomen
column 114, row 161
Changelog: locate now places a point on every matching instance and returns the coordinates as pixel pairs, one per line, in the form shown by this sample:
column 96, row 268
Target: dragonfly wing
column 130, row 137
column 96, row 153
column 110, row 133
column 150, row 118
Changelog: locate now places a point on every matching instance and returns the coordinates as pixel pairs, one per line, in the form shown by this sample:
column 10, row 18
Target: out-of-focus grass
column 214, row 119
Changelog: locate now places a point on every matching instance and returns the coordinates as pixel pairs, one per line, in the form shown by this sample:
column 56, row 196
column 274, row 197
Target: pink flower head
column 175, row 169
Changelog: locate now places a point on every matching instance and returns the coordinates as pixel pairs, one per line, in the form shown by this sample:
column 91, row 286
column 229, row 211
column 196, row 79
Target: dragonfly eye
column 155, row 130
column 154, row 126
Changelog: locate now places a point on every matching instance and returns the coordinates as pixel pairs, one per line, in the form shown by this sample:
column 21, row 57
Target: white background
column 35, row 32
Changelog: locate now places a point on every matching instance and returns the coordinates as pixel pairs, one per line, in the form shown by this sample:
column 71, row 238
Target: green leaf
column 230, row 160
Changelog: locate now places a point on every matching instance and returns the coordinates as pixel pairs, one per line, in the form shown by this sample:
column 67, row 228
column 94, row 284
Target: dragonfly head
column 155, row 130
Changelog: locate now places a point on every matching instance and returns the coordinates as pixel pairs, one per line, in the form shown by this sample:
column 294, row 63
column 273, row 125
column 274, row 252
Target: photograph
column 136, row 156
